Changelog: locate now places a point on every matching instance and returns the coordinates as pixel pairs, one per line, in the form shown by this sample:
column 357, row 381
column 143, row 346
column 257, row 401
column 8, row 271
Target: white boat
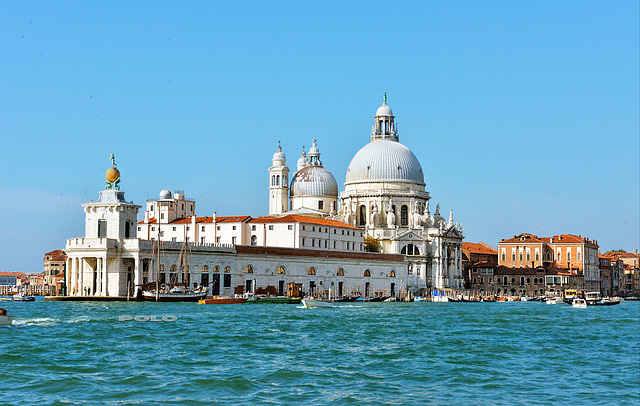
column 554, row 300
column 579, row 303
column 308, row 303
column 22, row 297
column 5, row 319
column 419, row 299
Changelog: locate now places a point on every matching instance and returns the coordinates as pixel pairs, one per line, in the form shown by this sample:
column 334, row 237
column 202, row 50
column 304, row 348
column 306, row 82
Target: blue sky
column 524, row 115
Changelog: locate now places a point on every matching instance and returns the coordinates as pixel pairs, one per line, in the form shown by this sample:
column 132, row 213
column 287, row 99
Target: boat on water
column 5, row 319
column 223, row 300
column 274, row 299
column 22, row 297
column 554, row 300
column 309, row 303
column 579, row 303
column 175, row 290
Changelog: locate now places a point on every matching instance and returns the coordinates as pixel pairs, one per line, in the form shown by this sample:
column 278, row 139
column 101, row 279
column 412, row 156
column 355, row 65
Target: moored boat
column 554, row 300
column 5, row 319
column 275, row 300
column 223, row 300
column 175, row 295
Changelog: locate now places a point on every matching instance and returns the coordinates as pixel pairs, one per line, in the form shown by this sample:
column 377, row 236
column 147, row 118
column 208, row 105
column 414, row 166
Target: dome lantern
column 384, row 127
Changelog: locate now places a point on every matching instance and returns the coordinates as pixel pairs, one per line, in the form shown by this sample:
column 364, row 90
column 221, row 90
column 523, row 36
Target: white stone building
column 307, row 230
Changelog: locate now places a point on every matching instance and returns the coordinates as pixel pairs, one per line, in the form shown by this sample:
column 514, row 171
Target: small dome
column 384, row 110
column 302, row 161
column 313, row 181
column 384, row 160
column 112, row 174
column 165, row 195
column 279, row 155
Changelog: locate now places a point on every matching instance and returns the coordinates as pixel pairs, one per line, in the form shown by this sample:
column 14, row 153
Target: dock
column 89, row 299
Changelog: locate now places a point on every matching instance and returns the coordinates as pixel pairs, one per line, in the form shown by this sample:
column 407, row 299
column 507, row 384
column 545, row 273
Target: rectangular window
column 579, row 256
column 202, row 228
column 202, row 240
column 161, row 215
column 303, row 241
column 334, row 245
column 218, row 228
column 290, row 227
column 320, row 205
column 174, row 239
column 233, row 228
column 127, row 229
column 528, row 256
column 313, row 229
column 503, row 256
column 520, row 256
column 569, row 256
column 227, row 280
column 174, row 229
column 218, row 240
column 253, row 228
column 325, row 243
column 233, row 240
column 102, row 228
column 270, row 227
column 537, row 256
column 513, row 255
column 313, row 242
column 139, row 228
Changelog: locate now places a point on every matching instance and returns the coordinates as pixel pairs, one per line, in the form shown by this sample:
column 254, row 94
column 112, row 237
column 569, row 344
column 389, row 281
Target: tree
column 371, row 244
column 614, row 251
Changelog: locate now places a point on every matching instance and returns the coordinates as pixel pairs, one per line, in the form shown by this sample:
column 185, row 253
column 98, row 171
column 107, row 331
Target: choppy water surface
column 356, row 354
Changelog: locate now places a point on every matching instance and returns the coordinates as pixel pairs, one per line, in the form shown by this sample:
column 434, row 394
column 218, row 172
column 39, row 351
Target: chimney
column 635, row 252
column 214, row 217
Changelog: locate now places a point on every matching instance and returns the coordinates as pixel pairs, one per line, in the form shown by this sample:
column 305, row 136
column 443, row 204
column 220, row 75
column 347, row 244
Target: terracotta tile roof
column 13, row 274
column 524, row 238
column 621, row 255
column 279, row 251
column 205, row 219
column 479, row 248
column 56, row 255
column 152, row 220
column 570, row 239
column 292, row 218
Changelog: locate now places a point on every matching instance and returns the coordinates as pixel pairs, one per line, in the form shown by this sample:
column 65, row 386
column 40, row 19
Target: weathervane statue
column 113, row 176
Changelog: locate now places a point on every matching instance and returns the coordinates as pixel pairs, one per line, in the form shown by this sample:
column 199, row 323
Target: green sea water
column 68, row 353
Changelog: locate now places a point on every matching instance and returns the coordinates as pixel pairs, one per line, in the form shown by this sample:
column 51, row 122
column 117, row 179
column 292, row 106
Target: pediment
column 410, row 235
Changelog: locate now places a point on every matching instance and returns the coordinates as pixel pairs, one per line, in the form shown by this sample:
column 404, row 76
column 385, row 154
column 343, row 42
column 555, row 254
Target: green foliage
column 613, row 251
column 371, row 244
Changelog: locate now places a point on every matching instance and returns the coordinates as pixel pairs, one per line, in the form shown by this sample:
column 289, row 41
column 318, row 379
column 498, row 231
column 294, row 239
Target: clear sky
column 524, row 115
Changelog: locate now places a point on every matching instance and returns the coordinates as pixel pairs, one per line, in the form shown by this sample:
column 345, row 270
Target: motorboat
column 579, row 303
column 554, row 300
column 223, row 300
column 5, row 319
column 22, row 297
column 309, row 303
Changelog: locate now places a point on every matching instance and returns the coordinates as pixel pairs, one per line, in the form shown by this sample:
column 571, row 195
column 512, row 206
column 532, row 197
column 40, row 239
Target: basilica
column 313, row 234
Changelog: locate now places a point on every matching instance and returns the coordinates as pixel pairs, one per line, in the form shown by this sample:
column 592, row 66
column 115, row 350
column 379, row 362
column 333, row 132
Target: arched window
column 205, row 269
column 161, row 268
column 404, row 215
column 505, row 282
column 278, row 180
column 254, row 240
column 410, row 249
column 248, row 269
column 312, row 271
column 216, row 268
column 340, row 272
column 363, row 215
column 513, row 281
column 281, row 270
column 528, row 281
column 392, row 274
column 174, row 268
column 273, row 180
column 522, row 280
column 227, row 269
column 367, row 272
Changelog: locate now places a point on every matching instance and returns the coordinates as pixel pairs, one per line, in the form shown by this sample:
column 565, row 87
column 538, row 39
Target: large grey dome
column 313, row 180
column 384, row 160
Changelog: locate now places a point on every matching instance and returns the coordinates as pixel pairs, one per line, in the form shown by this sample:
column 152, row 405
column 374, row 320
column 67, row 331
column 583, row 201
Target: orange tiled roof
column 56, row 255
column 205, row 219
column 528, row 238
column 292, row 218
column 479, row 248
column 13, row 274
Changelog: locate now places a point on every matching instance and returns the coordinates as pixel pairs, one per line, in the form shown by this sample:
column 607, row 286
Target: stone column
column 105, row 275
column 71, row 275
column 81, row 269
column 137, row 272
column 99, row 266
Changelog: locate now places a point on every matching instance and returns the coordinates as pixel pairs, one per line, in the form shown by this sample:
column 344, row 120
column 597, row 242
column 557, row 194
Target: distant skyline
column 524, row 116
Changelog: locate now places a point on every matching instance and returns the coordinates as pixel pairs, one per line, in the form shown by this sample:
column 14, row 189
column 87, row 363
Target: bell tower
column 279, row 184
